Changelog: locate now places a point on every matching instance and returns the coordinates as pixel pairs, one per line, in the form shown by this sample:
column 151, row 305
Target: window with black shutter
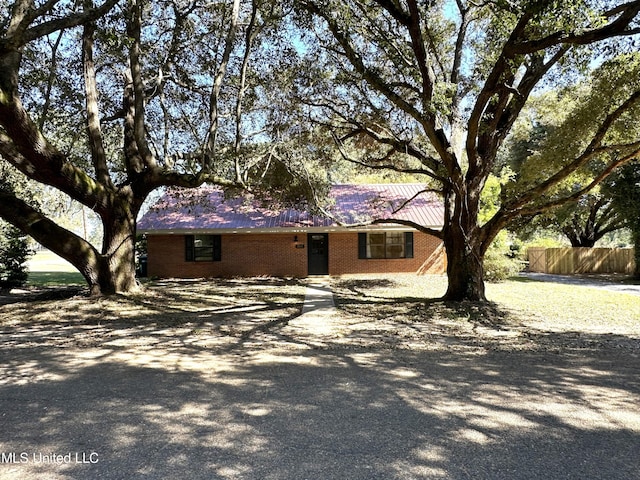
column 385, row 245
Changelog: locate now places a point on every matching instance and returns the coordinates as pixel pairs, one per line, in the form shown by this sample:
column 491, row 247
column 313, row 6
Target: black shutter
column 217, row 248
column 189, row 248
column 408, row 245
column 362, row 245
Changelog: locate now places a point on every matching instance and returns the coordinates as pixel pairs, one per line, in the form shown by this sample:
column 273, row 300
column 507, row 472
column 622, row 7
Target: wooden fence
column 564, row 261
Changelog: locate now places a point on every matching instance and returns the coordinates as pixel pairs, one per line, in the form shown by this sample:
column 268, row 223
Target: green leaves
column 14, row 253
column 594, row 120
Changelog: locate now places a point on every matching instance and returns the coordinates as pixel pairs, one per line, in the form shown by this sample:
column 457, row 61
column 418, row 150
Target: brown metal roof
column 206, row 209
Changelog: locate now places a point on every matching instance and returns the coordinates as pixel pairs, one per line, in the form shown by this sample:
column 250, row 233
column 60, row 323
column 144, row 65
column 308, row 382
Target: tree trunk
column 584, row 236
column 113, row 270
column 636, row 254
column 465, row 270
column 462, row 243
column 581, row 242
column 106, row 273
column 117, row 263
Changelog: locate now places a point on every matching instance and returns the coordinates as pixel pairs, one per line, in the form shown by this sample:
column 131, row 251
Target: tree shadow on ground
column 413, row 322
column 489, row 314
column 42, row 294
column 207, row 385
column 357, row 414
column 360, row 294
column 358, row 285
column 198, row 315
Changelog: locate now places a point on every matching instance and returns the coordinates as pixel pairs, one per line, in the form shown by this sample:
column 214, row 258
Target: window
column 203, row 248
column 385, row 245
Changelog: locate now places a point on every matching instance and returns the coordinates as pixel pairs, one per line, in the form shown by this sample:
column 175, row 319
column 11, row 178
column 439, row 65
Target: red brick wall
column 276, row 255
column 428, row 257
column 242, row 255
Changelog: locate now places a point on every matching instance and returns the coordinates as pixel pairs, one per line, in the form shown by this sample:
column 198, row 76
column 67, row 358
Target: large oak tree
column 434, row 88
column 110, row 100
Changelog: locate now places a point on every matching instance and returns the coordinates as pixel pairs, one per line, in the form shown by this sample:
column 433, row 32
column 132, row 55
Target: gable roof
column 206, row 210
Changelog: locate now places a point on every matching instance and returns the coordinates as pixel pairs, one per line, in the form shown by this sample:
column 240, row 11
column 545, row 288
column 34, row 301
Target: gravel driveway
column 321, row 415
column 282, row 404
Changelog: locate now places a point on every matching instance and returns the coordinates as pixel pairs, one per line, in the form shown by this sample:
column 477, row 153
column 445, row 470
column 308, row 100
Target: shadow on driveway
column 335, row 414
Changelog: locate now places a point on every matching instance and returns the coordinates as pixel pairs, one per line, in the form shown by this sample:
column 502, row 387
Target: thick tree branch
column 625, row 15
column 94, row 131
column 395, row 10
column 24, row 147
column 64, row 243
column 501, row 114
column 460, row 44
column 214, row 99
column 500, row 103
column 502, row 69
column 426, row 72
column 250, row 35
column 24, row 14
column 134, row 27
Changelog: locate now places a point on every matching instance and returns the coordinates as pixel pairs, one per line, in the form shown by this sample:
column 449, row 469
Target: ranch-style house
column 200, row 233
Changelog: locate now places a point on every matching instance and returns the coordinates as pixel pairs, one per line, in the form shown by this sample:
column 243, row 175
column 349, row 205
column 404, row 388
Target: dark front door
column 318, row 253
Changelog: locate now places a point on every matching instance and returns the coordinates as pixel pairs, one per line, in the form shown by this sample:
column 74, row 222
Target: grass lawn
column 521, row 313
column 518, row 298
column 46, row 269
column 54, row 279
column 572, row 307
column 47, row 261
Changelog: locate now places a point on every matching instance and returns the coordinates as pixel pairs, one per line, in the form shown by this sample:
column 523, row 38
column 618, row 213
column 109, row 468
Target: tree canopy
column 435, row 88
column 108, row 101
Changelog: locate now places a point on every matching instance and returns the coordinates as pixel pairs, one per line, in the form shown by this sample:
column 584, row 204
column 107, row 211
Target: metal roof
column 206, row 209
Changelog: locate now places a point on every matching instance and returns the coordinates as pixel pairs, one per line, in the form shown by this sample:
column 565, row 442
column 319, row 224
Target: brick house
column 199, row 233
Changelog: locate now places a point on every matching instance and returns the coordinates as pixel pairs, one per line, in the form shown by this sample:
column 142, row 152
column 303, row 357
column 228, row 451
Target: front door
column 318, row 253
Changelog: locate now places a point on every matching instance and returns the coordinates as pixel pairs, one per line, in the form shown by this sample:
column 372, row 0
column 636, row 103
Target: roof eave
column 282, row 230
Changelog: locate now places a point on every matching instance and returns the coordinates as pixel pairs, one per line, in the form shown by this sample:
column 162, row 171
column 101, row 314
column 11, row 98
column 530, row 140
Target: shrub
column 14, row 253
column 502, row 259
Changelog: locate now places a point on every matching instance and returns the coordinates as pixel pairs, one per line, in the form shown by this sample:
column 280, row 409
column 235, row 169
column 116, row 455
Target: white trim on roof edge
column 283, row 230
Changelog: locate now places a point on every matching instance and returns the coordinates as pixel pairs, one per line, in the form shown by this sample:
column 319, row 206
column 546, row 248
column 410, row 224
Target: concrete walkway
column 319, row 315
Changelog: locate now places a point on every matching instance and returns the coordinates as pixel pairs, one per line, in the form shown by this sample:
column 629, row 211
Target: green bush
column 14, row 253
column 502, row 260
